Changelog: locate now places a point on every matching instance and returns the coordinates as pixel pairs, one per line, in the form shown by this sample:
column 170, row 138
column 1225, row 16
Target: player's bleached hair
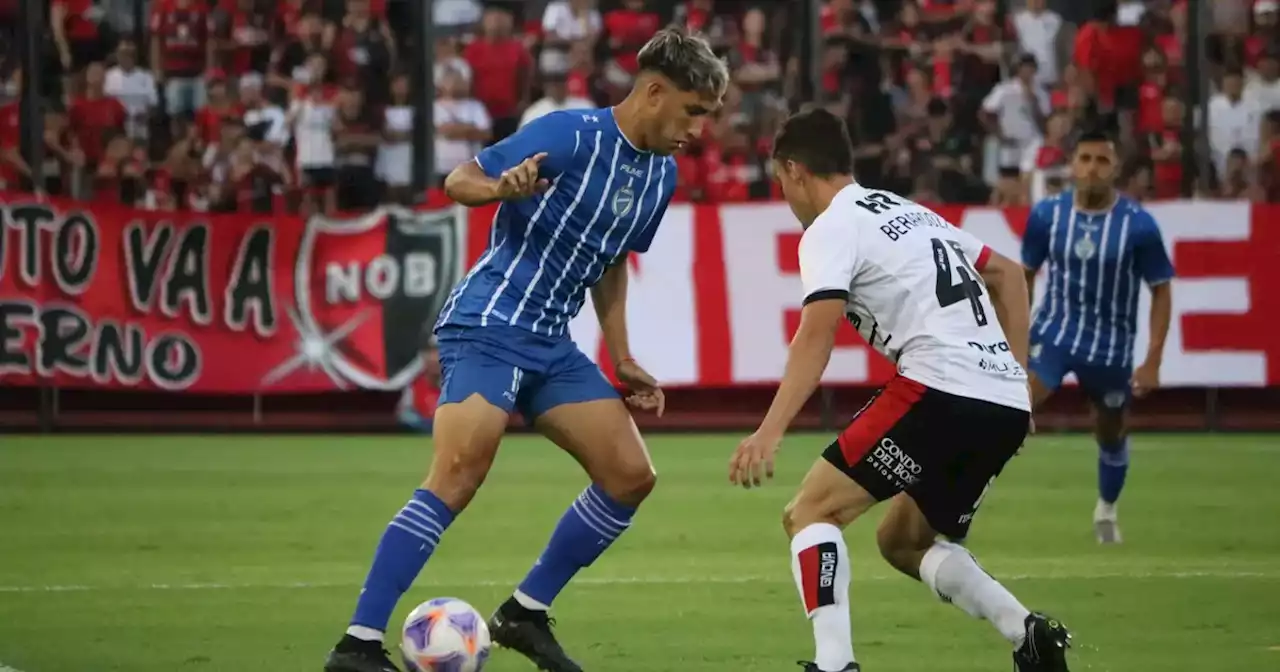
column 686, row 59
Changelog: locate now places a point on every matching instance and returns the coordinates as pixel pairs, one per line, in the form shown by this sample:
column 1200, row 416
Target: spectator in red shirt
column 94, row 115
column 502, row 68
column 1165, row 147
column 243, row 37
column 628, row 29
column 1110, row 58
column 364, row 50
column 76, row 35
column 1151, row 92
column 181, row 50
column 15, row 174
column 221, row 106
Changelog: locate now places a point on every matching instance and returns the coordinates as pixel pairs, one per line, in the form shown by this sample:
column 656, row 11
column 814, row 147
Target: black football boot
column 813, row 667
column 528, row 632
column 357, row 655
column 1045, row 649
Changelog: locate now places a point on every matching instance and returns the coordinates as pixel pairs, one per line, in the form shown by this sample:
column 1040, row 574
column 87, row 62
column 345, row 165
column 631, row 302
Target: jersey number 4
column 968, row 289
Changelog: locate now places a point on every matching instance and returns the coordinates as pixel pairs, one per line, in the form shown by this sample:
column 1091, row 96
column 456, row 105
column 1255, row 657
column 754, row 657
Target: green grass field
column 245, row 554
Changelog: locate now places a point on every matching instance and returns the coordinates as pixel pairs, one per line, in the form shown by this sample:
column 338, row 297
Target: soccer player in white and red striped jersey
column 953, row 315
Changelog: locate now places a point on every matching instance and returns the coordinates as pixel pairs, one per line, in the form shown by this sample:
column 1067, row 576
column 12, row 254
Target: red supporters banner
column 103, row 297
column 111, row 297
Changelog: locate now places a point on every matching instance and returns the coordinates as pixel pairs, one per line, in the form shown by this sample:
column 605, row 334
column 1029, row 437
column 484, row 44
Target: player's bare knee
column 630, row 483
column 805, row 510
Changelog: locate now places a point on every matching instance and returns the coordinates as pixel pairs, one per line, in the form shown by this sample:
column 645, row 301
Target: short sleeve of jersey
column 1150, row 258
column 975, row 251
column 667, row 178
column 555, row 133
column 1035, row 240
column 828, row 259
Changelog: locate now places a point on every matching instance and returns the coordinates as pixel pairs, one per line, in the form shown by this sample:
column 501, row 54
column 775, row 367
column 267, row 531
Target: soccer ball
column 445, row 635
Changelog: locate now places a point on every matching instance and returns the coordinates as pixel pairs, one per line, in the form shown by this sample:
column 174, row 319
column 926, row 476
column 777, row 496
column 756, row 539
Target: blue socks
column 405, row 547
column 582, row 535
column 1113, row 465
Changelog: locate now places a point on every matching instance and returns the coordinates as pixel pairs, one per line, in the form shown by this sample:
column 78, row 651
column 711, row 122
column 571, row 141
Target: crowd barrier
column 117, row 318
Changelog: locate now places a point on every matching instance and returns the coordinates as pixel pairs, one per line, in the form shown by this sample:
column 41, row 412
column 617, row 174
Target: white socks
column 951, row 572
column 529, row 603
column 365, row 634
column 820, row 565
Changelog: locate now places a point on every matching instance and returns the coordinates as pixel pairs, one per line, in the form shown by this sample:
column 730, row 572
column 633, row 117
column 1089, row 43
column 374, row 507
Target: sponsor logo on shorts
column 894, row 464
column 1114, row 399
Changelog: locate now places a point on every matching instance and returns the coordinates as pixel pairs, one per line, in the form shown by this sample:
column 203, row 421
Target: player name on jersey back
column 912, row 289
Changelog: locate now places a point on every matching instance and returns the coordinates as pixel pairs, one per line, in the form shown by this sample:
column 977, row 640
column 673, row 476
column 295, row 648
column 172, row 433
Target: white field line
column 633, row 580
column 6, row 668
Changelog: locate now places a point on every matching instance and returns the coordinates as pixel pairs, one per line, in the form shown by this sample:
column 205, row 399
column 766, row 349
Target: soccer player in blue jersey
column 579, row 191
column 1100, row 247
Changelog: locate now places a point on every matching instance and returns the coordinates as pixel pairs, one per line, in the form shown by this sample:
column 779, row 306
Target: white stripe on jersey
column 662, row 176
column 452, row 303
column 591, row 273
column 1115, row 291
column 555, row 239
column 1066, row 274
column 1084, row 268
column 1050, row 297
column 1097, row 308
column 1135, row 278
column 528, row 231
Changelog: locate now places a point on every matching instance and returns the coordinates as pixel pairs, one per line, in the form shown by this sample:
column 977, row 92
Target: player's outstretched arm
column 521, row 165
column 467, row 184
column 1006, row 279
column 807, row 358
column 609, row 296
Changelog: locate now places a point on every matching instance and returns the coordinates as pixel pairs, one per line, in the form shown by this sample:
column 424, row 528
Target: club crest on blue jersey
column 1085, row 247
column 623, row 200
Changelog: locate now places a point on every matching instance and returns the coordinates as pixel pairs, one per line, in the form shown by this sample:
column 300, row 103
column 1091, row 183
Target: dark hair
column 686, row 59
column 817, row 140
column 1093, row 135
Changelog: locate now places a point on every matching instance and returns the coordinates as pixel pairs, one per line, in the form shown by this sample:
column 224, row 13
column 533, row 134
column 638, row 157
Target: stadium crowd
column 304, row 105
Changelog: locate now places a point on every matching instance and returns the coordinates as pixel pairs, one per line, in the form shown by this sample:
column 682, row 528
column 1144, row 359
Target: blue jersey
column 1097, row 261
column 605, row 199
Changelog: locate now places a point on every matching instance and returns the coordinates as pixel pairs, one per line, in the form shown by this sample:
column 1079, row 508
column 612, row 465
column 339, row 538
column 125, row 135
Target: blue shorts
column 1109, row 387
column 517, row 370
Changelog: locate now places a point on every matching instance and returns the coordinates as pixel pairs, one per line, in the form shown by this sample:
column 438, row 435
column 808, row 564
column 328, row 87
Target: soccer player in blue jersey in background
column 579, row 191
column 1100, row 246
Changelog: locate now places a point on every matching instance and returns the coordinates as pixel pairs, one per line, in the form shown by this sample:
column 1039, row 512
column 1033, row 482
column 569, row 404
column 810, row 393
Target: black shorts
column 941, row 449
column 319, row 179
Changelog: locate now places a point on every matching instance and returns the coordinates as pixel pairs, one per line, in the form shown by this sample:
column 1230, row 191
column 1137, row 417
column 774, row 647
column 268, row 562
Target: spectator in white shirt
column 134, row 87
column 1234, row 121
column 1038, row 29
column 448, row 58
column 557, row 97
column 1263, row 88
column 566, row 22
column 462, row 125
column 1015, row 111
column 260, row 114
